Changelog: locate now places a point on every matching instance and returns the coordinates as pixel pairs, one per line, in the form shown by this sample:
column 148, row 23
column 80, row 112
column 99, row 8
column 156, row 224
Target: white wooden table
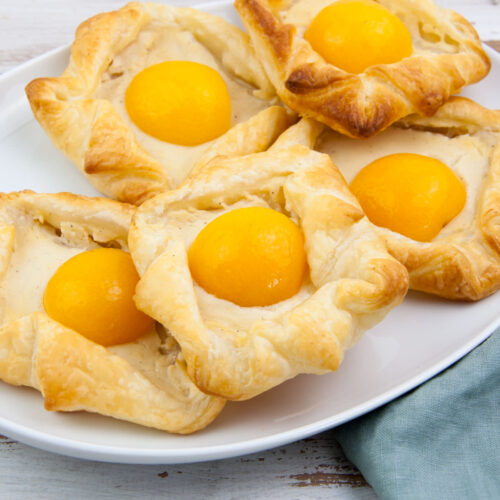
column 311, row 468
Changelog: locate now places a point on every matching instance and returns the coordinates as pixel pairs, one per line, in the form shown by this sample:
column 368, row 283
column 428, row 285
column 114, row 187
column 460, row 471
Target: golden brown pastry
column 238, row 352
column 132, row 381
column 463, row 260
column 84, row 112
column 446, row 56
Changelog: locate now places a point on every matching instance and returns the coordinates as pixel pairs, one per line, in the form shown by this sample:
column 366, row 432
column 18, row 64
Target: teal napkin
column 440, row 441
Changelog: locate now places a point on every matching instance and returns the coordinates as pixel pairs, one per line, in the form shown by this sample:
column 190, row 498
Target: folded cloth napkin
column 441, row 440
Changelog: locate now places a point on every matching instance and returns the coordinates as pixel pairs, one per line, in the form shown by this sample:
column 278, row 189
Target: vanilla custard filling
column 38, row 252
column 425, row 36
column 219, row 314
column 37, row 255
column 146, row 356
column 468, row 156
column 157, row 43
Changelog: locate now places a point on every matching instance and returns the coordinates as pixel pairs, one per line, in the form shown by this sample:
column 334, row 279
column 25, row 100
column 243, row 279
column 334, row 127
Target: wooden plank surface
column 494, row 44
column 311, row 468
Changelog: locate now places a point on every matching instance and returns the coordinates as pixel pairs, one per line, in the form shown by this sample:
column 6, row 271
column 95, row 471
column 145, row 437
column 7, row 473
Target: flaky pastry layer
column 133, row 382
column 239, row 352
column 83, row 110
column 463, row 261
column 447, row 56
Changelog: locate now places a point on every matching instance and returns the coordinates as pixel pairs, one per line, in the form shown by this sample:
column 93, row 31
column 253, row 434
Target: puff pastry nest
column 463, row 261
column 133, row 382
column 91, row 131
column 447, row 56
column 239, row 352
column 465, row 264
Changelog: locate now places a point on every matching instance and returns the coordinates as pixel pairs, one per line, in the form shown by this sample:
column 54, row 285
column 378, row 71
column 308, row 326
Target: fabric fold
column 441, row 440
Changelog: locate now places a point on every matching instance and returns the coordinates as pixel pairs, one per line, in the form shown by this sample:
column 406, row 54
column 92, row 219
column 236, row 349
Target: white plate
column 417, row 340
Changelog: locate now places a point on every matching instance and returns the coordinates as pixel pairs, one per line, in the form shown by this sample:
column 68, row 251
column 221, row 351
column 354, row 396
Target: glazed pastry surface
column 142, row 381
column 447, row 55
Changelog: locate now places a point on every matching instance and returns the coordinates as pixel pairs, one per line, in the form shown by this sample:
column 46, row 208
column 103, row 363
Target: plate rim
column 106, row 453
column 147, row 456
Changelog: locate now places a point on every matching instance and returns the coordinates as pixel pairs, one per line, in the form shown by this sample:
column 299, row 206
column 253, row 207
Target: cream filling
column 38, row 253
column 37, row 256
column 157, row 43
column 468, row 156
column 219, row 314
column 145, row 355
column 426, row 37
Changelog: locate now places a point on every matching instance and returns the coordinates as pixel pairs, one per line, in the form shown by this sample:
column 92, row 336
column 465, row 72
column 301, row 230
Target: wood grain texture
column 494, row 44
column 311, row 468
